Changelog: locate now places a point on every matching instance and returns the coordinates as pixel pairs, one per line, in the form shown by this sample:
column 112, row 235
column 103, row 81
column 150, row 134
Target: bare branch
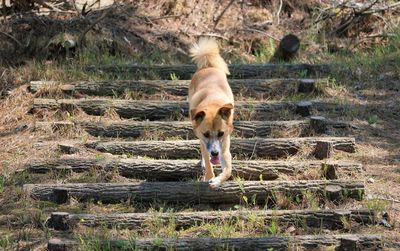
column 222, row 13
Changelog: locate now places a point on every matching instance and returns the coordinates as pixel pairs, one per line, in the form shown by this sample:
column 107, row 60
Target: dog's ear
column 225, row 111
column 197, row 116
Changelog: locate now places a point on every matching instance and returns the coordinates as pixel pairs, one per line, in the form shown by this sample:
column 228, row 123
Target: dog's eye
column 207, row 134
column 220, row 134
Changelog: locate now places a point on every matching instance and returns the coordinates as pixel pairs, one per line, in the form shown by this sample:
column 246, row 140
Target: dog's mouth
column 215, row 160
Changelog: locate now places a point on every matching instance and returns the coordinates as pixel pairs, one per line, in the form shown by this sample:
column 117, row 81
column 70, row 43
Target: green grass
column 264, row 53
column 2, row 183
column 376, row 204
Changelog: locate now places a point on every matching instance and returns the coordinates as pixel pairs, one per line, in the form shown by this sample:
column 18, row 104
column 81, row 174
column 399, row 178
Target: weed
column 376, row 204
column 265, row 51
column 173, row 76
column 360, row 193
column 273, row 228
column 115, row 94
column 302, row 74
column 345, row 222
column 2, row 183
column 5, row 243
column 240, row 183
column 310, row 200
column 372, row 119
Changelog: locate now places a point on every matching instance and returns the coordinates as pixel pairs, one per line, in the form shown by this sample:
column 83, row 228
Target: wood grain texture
column 173, row 110
column 356, row 242
column 249, row 87
column 236, row 70
column 175, row 170
column 328, row 219
column 253, row 147
column 189, row 192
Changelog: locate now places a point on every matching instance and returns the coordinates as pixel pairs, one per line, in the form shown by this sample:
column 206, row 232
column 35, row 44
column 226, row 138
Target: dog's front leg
column 226, row 164
column 206, row 164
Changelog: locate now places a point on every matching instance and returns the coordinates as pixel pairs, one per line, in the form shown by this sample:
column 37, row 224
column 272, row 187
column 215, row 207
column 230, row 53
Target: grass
column 376, row 204
column 265, row 51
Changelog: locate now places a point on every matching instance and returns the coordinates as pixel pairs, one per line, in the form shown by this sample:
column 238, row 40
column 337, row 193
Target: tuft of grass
column 372, row 119
column 265, row 51
column 173, row 76
column 273, row 228
column 376, row 204
column 6, row 243
column 2, row 183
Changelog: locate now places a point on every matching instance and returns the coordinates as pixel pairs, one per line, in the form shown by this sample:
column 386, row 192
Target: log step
column 172, row 110
column 236, row 70
column 194, row 191
column 353, row 242
column 175, row 170
column 254, row 147
column 248, row 87
column 183, row 129
column 327, row 219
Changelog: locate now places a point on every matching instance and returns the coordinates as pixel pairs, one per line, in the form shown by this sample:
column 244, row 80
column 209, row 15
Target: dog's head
column 212, row 124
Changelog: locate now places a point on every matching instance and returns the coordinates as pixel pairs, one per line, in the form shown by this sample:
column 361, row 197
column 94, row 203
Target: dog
column 211, row 107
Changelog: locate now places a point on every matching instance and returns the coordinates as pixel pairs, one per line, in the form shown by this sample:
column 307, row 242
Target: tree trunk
column 254, row 147
column 287, row 49
column 245, row 87
column 327, row 219
column 189, row 192
column 175, row 170
column 135, row 129
column 237, row 71
column 183, row 129
column 357, row 242
column 172, row 110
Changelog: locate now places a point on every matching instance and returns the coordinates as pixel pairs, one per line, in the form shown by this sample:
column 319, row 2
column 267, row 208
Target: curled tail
column 206, row 54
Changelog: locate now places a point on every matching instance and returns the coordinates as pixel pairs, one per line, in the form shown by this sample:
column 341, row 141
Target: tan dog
column 211, row 110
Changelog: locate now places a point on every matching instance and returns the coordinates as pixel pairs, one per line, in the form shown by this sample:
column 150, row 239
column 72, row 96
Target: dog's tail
column 206, row 54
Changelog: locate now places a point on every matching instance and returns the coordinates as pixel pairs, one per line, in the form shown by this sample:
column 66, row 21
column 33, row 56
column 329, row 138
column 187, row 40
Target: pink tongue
column 214, row 160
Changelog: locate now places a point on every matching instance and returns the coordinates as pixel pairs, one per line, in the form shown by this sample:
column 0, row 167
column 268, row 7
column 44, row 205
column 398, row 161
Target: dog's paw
column 215, row 182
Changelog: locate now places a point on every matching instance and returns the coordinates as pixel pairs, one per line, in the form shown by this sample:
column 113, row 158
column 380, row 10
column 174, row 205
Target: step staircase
column 291, row 179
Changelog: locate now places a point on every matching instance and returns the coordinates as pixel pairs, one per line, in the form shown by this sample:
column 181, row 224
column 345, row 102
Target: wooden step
column 183, row 129
column 251, row 148
column 172, row 110
column 236, row 70
column 248, row 87
column 327, row 219
column 346, row 242
column 175, row 170
column 194, row 191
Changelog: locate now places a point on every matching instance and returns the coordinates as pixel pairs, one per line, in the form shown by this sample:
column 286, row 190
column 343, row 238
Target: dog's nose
column 214, row 153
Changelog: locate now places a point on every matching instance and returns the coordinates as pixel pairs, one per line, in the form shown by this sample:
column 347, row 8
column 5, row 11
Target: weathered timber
column 287, row 49
column 236, row 70
column 323, row 150
column 304, row 108
column 190, row 192
column 328, row 219
column 318, row 124
column 183, row 129
column 67, row 148
column 158, row 110
column 346, row 242
column 252, row 87
column 135, row 129
column 255, row 147
column 175, row 170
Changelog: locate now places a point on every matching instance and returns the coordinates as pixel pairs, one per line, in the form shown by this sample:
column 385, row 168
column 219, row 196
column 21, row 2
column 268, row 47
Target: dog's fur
column 211, row 109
